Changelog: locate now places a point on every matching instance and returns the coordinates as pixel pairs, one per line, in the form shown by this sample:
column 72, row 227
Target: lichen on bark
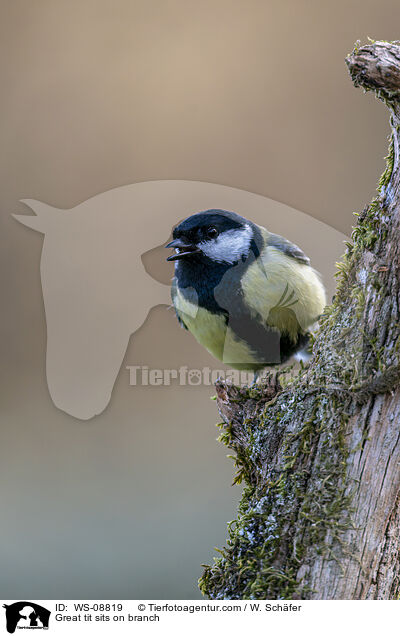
column 319, row 452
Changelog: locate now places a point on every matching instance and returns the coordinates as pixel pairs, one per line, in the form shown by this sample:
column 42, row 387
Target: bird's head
column 221, row 236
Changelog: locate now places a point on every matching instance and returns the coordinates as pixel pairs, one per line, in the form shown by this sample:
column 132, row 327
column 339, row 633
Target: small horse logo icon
column 25, row 614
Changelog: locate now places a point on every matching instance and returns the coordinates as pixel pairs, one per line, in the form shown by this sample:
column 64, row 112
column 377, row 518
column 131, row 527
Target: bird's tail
column 304, row 352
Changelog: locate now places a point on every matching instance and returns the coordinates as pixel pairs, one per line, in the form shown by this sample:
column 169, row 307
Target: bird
column 247, row 295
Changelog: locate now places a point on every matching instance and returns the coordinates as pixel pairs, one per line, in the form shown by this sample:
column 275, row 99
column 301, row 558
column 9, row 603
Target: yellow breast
column 212, row 332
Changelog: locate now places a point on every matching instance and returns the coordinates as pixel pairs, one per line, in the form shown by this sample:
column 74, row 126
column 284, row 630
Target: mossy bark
column 320, row 452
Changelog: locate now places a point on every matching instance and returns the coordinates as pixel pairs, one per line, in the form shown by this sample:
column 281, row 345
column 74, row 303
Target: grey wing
column 288, row 248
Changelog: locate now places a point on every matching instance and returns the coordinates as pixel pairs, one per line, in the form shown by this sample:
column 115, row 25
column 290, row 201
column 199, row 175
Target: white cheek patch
column 229, row 246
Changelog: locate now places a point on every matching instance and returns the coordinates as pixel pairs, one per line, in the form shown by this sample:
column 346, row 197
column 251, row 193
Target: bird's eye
column 212, row 232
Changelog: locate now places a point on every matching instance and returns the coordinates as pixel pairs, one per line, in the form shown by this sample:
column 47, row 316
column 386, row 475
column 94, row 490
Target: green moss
column 386, row 176
column 289, row 512
column 371, row 228
column 285, row 499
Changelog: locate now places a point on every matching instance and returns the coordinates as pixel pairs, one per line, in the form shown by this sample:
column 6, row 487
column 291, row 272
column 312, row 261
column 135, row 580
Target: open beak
column 181, row 249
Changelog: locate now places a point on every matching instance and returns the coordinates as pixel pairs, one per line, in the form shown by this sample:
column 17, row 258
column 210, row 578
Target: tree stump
column 320, row 451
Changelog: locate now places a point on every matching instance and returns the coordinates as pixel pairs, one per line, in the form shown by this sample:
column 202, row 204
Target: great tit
column 248, row 296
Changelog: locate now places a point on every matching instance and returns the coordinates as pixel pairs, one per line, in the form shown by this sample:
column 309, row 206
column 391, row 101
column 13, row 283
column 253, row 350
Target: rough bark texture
column 320, row 451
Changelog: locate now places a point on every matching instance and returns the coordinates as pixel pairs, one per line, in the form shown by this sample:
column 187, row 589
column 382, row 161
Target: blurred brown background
column 96, row 94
